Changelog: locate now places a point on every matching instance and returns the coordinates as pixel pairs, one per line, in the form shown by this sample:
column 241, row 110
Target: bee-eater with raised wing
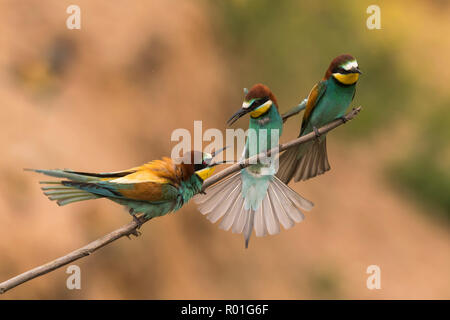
column 153, row 189
column 327, row 101
column 254, row 197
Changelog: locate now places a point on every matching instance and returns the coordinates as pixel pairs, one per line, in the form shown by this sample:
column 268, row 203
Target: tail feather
column 249, row 227
column 66, row 195
column 313, row 164
column 241, row 218
column 74, row 194
column 56, row 187
column 76, row 199
column 61, row 191
column 280, row 206
column 219, row 211
column 323, row 159
column 270, row 217
column 293, row 211
column 298, row 166
column 65, row 192
column 232, row 211
column 66, row 174
column 303, row 165
column 293, row 196
column 260, row 224
column 287, row 163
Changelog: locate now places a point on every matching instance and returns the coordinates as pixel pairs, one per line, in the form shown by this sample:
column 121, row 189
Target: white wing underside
column 281, row 206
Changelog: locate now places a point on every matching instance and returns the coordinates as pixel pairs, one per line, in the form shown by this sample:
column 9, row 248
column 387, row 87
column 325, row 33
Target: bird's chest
column 333, row 105
column 263, row 134
column 188, row 189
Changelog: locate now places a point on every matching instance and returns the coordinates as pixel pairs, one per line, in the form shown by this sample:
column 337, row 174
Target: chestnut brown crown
column 337, row 63
column 260, row 90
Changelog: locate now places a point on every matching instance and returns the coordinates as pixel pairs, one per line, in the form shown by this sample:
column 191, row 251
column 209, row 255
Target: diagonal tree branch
column 131, row 228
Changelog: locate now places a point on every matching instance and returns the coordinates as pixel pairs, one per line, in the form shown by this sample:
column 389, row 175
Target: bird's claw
column 139, row 221
column 134, row 232
column 344, row 119
column 202, row 192
column 316, row 132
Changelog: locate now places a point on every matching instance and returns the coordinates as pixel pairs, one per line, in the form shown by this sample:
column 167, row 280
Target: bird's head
column 344, row 69
column 199, row 163
column 258, row 101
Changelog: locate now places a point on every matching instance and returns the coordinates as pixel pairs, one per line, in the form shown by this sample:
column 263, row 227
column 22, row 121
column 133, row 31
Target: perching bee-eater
column 153, row 189
column 327, row 101
column 254, row 198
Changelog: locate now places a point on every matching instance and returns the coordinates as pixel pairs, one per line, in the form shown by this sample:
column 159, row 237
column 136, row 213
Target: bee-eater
column 254, row 197
column 327, row 101
column 153, row 189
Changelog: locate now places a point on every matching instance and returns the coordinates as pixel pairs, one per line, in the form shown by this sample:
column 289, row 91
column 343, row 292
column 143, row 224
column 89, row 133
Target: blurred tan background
column 108, row 96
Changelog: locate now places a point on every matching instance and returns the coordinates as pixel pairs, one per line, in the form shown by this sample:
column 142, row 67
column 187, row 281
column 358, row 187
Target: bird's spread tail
column 313, row 162
column 281, row 205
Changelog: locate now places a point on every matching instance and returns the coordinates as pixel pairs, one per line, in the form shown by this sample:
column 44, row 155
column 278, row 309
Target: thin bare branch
column 126, row 230
column 131, row 228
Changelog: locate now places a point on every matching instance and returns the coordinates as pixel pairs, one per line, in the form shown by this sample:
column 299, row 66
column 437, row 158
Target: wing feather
column 314, row 97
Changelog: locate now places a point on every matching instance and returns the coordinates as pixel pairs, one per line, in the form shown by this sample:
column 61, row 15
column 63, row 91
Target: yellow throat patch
column 205, row 173
column 261, row 109
column 349, row 78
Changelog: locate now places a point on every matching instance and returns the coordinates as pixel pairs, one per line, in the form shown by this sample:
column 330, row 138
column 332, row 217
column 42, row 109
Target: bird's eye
column 260, row 101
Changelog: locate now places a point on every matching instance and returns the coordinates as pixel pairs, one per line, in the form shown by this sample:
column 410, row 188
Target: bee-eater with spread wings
column 153, row 189
column 255, row 197
column 327, row 101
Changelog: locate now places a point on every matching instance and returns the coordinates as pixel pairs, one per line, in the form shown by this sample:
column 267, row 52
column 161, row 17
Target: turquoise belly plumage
column 331, row 106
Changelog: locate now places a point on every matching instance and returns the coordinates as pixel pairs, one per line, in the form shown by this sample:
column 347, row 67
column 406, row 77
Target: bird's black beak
column 241, row 112
column 215, row 153
column 220, row 162
column 247, row 107
column 356, row 70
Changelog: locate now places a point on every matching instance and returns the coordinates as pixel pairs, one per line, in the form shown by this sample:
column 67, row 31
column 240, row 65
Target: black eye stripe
column 199, row 166
column 342, row 70
column 259, row 102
